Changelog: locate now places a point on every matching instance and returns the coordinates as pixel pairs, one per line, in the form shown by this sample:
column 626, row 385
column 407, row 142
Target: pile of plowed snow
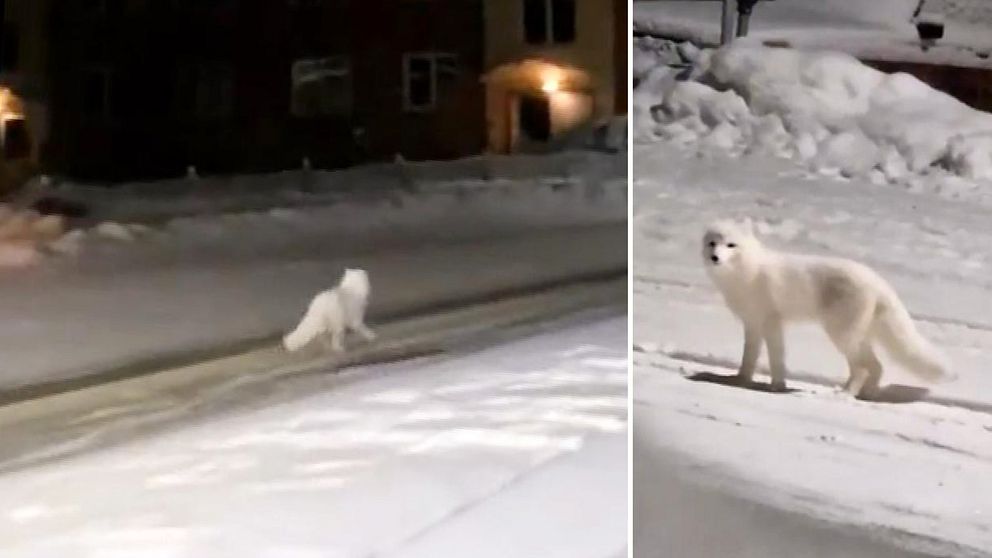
column 25, row 234
column 826, row 109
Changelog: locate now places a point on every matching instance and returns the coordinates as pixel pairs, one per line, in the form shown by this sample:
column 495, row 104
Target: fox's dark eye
column 712, row 244
column 731, row 245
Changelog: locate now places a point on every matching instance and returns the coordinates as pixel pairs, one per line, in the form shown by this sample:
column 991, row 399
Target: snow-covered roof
column 875, row 30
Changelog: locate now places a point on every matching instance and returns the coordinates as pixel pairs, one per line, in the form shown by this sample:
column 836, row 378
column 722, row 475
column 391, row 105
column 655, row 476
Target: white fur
column 333, row 312
column 856, row 307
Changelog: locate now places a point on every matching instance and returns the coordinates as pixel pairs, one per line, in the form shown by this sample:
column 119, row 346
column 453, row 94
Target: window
column 16, row 143
column 214, row 91
column 95, row 92
column 9, row 48
column 563, row 21
column 321, row 87
column 425, row 75
column 206, row 91
column 535, row 21
column 549, row 18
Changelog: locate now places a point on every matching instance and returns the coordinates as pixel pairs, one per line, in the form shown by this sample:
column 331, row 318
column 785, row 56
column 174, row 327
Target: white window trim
column 549, row 23
column 432, row 57
column 343, row 70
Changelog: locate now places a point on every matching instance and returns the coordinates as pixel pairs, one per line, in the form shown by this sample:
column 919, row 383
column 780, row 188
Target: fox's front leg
column 776, row 352
column 752, row 350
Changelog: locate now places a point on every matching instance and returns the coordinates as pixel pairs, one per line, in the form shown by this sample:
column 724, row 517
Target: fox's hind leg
column 333, row 340
column 364, row 331
column 847, row 323
column 858, row 376
column 873, row 368
column 866, row 373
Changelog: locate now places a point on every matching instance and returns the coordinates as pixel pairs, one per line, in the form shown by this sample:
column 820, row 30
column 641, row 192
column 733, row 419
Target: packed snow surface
column 508, row 451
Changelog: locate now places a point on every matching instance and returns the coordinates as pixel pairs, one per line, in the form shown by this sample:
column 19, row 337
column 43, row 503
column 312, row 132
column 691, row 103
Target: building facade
column 137, row 89
column 23, row 89
column 552, row 66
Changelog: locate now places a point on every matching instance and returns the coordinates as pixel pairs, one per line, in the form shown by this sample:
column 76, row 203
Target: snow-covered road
column 916, row 471
column 509, row 450
column 67, row 324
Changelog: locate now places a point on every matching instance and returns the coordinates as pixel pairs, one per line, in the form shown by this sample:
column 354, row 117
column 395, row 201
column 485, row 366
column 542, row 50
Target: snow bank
column 160, row 200
column 824, row 108
column 355, row 208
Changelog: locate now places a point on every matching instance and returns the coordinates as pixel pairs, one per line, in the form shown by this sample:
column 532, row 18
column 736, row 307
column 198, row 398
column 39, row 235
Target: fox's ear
column 748, row 225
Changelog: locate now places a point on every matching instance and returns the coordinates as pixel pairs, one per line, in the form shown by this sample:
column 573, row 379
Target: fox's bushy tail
column 308, row 329
column 894, row 329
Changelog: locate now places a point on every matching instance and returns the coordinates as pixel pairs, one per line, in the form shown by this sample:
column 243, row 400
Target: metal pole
column 727, row 21
column 742, row 24
column 744, row 8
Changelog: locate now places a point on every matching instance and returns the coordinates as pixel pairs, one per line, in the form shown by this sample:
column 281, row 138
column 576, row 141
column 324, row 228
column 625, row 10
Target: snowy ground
column 500, row 451
column 914, row 472
column 148, row 410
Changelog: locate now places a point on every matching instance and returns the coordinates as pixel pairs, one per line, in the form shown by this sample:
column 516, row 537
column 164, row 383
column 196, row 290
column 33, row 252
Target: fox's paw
column 778, row 387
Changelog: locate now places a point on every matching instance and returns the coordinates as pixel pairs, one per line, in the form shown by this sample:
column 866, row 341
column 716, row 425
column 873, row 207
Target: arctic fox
column 333, row 312
column 855, row 306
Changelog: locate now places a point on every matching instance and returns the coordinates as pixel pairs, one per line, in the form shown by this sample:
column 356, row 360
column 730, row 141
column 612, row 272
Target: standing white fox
column 855, row 306
column 333, row 312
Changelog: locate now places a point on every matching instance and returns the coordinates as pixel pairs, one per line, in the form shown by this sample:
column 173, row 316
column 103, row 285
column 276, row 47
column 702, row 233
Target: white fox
column 855, row 306
column 333, row 312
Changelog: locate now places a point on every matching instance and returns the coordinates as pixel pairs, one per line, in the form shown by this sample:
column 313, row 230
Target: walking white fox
column 333, row 312
column 855, row 306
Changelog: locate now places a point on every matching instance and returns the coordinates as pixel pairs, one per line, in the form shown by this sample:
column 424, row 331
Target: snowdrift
column 825, row 109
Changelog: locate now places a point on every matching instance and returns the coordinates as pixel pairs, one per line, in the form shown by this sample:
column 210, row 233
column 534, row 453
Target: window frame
column 434, row 58
column 549, row 35
column 347, row 75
